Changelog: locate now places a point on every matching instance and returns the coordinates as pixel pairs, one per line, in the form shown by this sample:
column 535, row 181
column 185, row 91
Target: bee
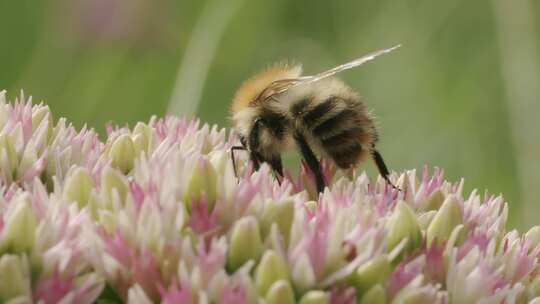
column 280, row 109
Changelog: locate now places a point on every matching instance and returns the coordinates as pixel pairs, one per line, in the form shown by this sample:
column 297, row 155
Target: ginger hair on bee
column 252, row 87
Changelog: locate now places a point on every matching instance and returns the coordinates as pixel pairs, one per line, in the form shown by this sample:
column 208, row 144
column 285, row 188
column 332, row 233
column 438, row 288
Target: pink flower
column 53, row 289
column 157, row 213
column 404, row 273
column 174, row 294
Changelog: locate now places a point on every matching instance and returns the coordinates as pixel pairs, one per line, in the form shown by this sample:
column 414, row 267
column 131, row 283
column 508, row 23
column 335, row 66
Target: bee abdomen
column 343, row 128
column 344, row 148
column 311, row 117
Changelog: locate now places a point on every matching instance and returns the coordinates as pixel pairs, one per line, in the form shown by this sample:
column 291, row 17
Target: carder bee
column 279, row 109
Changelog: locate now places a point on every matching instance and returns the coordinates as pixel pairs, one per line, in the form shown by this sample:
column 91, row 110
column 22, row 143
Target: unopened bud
column 203, row 181
column 433, row 201
column 246, row 243
column 20, row 230
column 403, row 224
column 375, row 295
column 17, row 280
column 315, row 297
column 78, row 186
column 373, row 272
column 142, row 137
column 281, row 292
column 281, row 213
column 444, row 222
column 111, row 182
column 533, row 235
column 272, row 268
column 122, row 153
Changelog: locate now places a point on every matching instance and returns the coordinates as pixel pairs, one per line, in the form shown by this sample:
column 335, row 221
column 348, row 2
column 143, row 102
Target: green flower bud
column 78, row 186
column 219, row 160
column 107, row 219
column 403, row 224
column 425, row 219
column 311, row 205
column 122, row 153
column 142, row 137
column 38, row 114
column 139, row 145
column 20, row 230
column 28, row 159
column 433, row 202
column 376, row 295
column 18, row 283
column 533, row 235
column 113, row 181
column 413, row 296
column 303, row 275
column 281, row 292
column 315, row 297
column 3, row 109
column 246, row 243
column 272, row 268
column 446, row 219
column 94, row 204
column 534, row 287
column 7, row 149
column 373, row 272
column 281, row 213
column 203, row 180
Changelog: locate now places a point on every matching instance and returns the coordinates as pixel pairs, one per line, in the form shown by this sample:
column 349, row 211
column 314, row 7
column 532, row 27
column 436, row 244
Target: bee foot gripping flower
column 157, row 214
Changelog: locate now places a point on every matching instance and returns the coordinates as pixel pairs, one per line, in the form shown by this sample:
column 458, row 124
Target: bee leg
column 256, row 161
column 311, row 160
column 253, row 142
column 234, row 158
column 381, row 166
column 277, row 166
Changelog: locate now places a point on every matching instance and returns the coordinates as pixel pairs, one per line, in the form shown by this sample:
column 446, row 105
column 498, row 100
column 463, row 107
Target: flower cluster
column 157, row 214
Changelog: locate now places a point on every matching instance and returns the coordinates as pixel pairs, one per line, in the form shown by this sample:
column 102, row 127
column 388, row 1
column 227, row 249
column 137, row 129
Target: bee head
column 267, row 134
column 255, row 125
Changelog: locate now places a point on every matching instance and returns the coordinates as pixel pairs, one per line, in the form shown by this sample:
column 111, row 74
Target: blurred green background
column 462, row 93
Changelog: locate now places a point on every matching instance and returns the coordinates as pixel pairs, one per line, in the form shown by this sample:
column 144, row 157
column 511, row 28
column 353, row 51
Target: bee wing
column 290, row 83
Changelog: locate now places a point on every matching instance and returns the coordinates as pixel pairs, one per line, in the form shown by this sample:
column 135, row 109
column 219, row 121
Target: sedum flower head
column 156, row 214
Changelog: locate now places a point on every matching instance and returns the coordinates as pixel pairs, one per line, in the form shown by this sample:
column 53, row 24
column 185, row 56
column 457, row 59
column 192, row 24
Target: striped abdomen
column 342, row 128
